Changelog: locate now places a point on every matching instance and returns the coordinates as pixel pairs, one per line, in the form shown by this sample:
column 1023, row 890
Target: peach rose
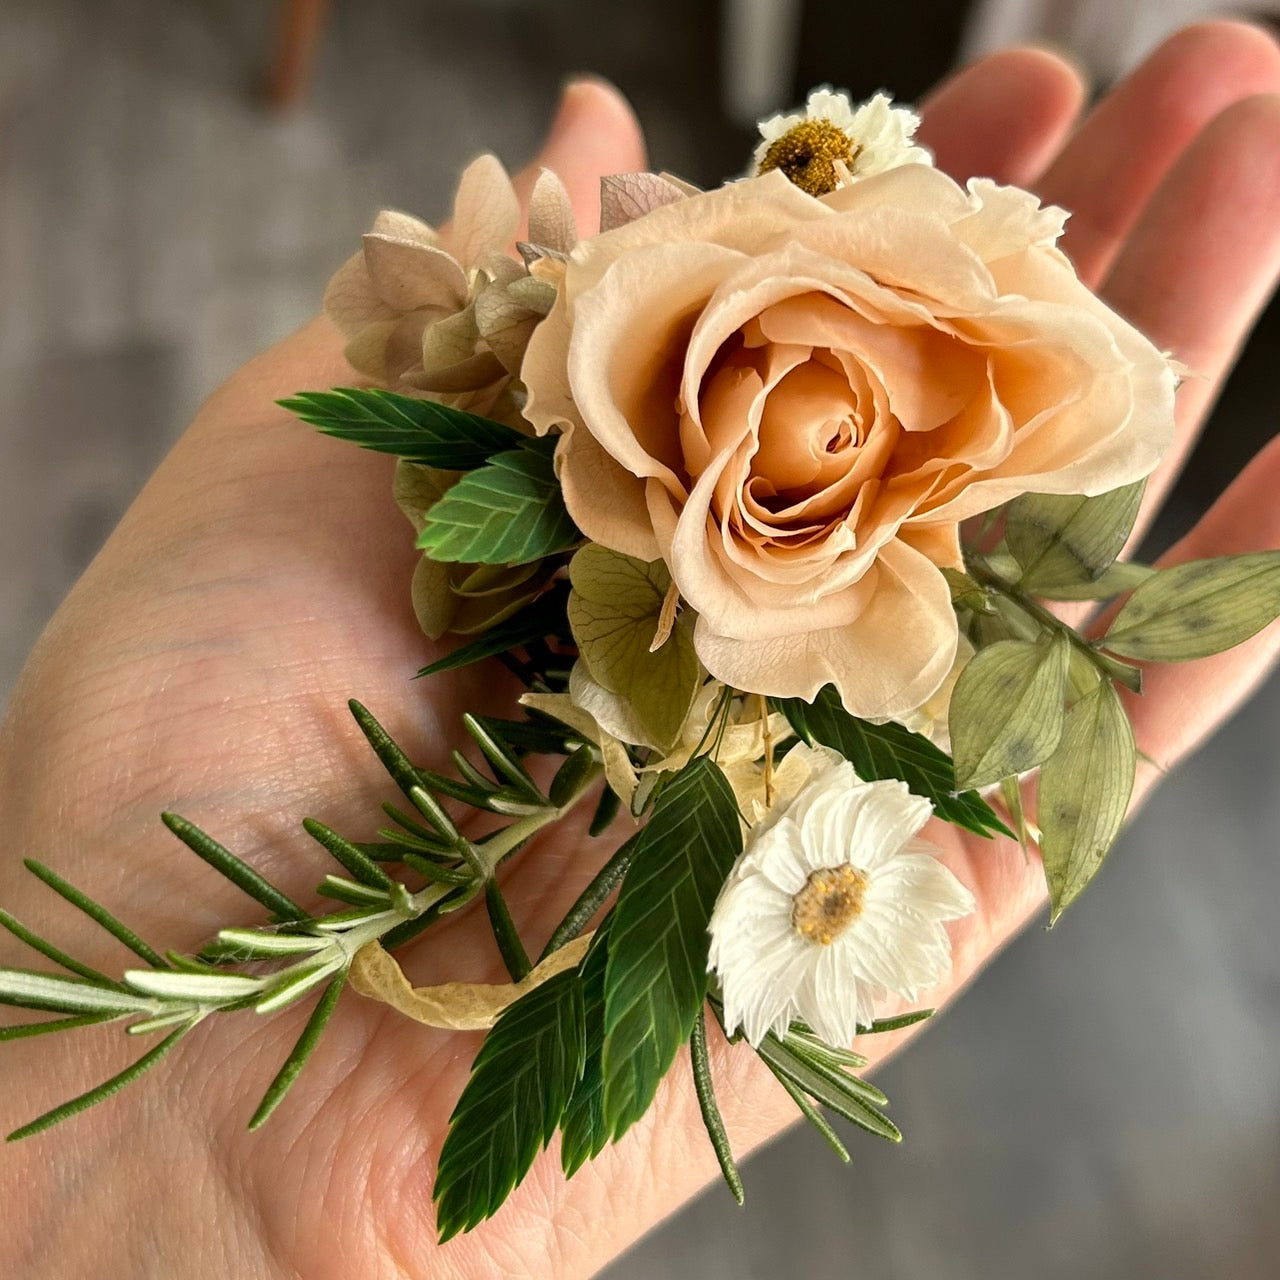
column 794, row 402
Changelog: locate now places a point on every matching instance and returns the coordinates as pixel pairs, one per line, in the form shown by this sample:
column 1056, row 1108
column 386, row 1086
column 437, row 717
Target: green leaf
column 1121, row 578
column 27, row 989
column 510, row 511
column 583, row 1134
column 301, row 1051
column 1068, row 539
column 417, row 430
column 520, row 1084
column 592, row 898
column 835, row 1090
column 614, row 611
column 1199, row 608
column 358, row 863
column 656, row 978
column 814, row 1117
column 1084, row 794
column 711, row 1119
column 102, row 1092
column 96, row 912
column 1007, row 708
column 544, row 617
column 240, row 873
column 890, row 751
column 56, row 954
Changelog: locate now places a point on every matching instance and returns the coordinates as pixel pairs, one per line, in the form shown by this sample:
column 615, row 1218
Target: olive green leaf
column 1084, row 794
column 1199, row 608
column 1007, row 709
column 1069, row 539
column 615, row 607
column 1119, row 579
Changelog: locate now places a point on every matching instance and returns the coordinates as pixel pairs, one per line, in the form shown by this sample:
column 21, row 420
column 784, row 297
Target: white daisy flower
column 833, row 905
column 831, row 142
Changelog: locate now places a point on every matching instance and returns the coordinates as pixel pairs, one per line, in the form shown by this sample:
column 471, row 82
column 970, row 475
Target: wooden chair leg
column 301, row 26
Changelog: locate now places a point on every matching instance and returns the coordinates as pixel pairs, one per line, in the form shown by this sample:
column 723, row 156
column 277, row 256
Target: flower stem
column 1122, row 672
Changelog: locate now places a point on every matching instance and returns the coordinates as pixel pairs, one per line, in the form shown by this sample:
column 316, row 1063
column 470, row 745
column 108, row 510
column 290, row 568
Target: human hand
column 261, row 578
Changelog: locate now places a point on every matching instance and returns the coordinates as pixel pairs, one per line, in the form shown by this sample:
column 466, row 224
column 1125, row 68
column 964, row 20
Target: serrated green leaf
column 1084, row 794
column 1120, row 578
column 1007, row 708
column 656, row 978
column 510, row 511
column 614, row 609
column 417, row 430
column 520, row 1083
column 583, row 1134
column 890, row 751
column 1069, row 539
column 1199, row 608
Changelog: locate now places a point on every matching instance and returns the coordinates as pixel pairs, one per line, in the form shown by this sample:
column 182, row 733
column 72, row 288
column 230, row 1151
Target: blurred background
column 178, row 178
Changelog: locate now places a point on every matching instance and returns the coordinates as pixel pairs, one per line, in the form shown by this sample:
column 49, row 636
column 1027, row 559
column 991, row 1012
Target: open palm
column 261, row 579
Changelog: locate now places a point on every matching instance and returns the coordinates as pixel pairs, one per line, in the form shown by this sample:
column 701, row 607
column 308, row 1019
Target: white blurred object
column 1107, row 37
column 759, row 52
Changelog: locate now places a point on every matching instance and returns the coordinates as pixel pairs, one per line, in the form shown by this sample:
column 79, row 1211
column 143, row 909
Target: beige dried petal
column 403, row 226
column 532, row 254
column 685, row 188
column 453, row 1006
column 501, row 270
column 619, row 772
column 434, row 604
column 624, row 197
column 537, row 295
column 476, row 614
column 351, row 301
column 408, row 276
column 450, row 340
column 417, row 488
column 486, row 212
column 506, row 325
column 551, row 223
column 466, row 377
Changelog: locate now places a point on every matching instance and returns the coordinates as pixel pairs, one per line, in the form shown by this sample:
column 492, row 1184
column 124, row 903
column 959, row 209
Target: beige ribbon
column 452, row 1006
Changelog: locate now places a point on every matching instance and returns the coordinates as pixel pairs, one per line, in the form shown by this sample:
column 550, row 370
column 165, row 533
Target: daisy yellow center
column 828, row 903
column 807, row 154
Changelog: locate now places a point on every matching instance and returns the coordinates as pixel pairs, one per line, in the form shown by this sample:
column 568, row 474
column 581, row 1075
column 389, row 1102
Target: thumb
column 594, row 133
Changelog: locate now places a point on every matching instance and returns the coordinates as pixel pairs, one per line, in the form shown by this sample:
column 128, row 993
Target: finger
column 1203, row 260
column 594, row 133
column 1004, row 116
column 1183, row 703
column 1121, row 154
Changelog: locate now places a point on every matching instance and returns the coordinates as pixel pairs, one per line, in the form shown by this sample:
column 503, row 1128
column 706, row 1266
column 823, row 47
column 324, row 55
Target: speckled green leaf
column 1069, row 539
column 1199, row 608
column 1007, row 709
column 1084, row 794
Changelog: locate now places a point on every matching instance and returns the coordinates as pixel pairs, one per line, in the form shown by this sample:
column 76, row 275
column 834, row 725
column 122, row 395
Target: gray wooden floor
column 1107, row 1102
